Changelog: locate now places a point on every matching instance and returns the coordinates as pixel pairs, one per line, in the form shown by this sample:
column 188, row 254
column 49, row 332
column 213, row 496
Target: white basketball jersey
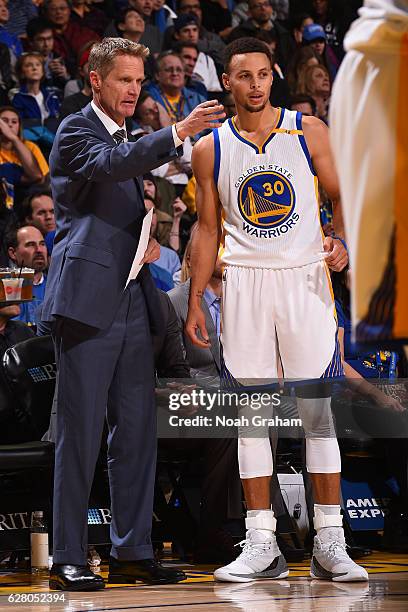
column 380, row 27
column 269, row 196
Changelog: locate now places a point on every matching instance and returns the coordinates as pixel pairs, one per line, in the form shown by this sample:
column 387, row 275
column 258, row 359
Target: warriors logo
column 266, row 199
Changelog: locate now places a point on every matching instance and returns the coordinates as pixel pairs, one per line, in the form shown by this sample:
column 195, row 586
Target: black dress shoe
column 145, row 570
column 74, row 578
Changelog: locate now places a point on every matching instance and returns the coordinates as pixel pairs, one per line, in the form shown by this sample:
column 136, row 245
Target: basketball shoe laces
column 251, row 549
column 335, row 547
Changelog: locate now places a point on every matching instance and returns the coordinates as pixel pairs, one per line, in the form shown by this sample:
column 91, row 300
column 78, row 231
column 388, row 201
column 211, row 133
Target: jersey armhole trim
column 303, row 144
column 217, row 155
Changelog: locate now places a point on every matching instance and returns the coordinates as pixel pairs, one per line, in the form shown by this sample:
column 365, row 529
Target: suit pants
column 105, row 373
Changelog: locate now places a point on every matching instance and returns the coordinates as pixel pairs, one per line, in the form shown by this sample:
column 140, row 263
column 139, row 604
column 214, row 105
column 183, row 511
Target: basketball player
column 369, row 133
column 261, row 170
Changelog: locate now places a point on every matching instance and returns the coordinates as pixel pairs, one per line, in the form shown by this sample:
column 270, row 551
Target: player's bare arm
column 206, row 238
column 317, row 137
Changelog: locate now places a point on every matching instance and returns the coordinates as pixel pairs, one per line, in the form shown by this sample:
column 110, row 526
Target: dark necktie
column 119, row 136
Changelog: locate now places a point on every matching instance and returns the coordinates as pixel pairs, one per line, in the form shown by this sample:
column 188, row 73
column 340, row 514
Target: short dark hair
column 303, row 99
column 241, row 46
column 122, row 16
column 36, row 26
column 181, row 44
column 11, row 237
column 26, row 206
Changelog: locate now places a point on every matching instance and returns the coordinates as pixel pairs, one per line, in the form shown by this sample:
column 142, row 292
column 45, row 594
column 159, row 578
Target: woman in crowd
column 302, row 58
column 32, row 99
column 21, row 162
column 315, row 82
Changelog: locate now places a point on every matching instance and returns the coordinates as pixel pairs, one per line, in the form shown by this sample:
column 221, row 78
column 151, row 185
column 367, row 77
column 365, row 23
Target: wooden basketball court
column 387, row 590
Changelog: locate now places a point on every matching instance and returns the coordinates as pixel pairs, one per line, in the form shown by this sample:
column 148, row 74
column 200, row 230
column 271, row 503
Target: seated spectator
column 168, row 260
column 38, row 210
column 21, row 162
column 163, row 15
column 261, row 17
column 26, row 248
column 7, row 220
column 303, row 104
column 168, row 225
column 303, row 57
column 208, row 42
column 299, row 22
column 76, row 101
column 315, row 82
column 161, row 190
column 189, row 54
column 21, row 11
column 169, row 89
column 315, row 37
column 152, row 37
column 131, row 26
column 240, row 11
column 70, row 37
column 335, row 16
column 6, row 76
column 150, row 115
column 41, row 39
column 216, row 16
column 6, row 36
column 87, row 15
column 34, row 100
column 186, row 31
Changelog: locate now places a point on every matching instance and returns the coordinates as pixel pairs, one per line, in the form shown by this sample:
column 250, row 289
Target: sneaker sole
column 319, row 573
column 226, row 577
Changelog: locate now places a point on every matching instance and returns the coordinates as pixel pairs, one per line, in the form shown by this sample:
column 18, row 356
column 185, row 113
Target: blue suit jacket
column 99, row 212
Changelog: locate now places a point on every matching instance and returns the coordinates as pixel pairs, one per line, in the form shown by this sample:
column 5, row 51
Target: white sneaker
column 330, row 560
column 259, row 559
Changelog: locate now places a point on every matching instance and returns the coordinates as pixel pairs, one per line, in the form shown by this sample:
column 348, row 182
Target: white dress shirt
column 113, row 127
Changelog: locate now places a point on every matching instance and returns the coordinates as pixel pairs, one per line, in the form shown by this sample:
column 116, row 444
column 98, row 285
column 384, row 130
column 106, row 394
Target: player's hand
column 195, row 325
column 337, row 258
column 206, row 115
column 152, row 252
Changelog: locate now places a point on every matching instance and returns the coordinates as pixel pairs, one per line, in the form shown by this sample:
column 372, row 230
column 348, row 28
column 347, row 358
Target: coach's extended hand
column 206, row 115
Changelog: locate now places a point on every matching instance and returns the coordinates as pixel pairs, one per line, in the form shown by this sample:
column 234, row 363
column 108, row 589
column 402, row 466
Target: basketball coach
column 101, row 326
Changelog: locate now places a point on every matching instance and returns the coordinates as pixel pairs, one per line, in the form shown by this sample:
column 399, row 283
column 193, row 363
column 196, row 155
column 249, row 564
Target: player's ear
column 225, row 81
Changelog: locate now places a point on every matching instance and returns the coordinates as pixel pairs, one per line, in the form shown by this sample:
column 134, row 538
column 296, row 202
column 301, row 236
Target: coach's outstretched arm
column 206, row 238
column 85, row 156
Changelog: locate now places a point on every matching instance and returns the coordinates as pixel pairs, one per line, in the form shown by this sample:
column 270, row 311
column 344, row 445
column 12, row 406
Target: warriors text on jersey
column 269, row 196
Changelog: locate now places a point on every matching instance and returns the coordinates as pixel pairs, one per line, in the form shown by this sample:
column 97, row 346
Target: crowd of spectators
column 44, row 52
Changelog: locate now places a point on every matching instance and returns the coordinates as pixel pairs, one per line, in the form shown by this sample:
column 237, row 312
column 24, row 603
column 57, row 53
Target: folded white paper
column 142, row 246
